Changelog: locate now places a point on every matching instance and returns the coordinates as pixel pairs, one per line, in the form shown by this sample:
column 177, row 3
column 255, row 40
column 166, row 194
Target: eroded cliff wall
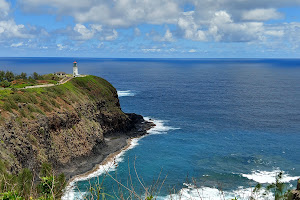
column 59, row 124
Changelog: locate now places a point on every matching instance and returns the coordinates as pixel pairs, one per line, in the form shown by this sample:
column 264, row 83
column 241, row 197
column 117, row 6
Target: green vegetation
column 26, row 102
column 279, row 189
column 10, row 80
column 26, row 185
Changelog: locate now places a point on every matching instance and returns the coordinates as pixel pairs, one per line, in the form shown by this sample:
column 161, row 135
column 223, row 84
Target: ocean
column 223, row 125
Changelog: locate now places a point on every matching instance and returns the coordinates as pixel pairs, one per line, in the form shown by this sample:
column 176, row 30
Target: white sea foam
column 269, row 177
column 189, row 192
column 125, row 93
column 160, row 127
column 70, row 191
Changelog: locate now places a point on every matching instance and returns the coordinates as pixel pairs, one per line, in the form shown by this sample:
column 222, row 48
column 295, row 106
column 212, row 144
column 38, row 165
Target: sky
column 150, row 28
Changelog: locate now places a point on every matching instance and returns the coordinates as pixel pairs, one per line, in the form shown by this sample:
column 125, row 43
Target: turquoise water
column 228, row 123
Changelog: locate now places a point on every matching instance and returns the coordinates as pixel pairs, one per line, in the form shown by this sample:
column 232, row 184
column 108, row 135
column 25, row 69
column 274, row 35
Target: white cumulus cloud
column 83, row 32
column 9, row 29
column 190, row 28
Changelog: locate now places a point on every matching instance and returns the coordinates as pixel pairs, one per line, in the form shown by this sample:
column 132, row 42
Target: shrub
column 5, row 84
column 24, row 183
column 10, row 195
column 22, row 186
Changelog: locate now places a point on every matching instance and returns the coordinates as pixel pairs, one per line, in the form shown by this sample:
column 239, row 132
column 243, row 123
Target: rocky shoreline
column 111, row 145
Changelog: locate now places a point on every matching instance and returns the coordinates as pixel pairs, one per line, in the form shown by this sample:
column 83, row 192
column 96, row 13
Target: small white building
column 60, row 74
column 75, row 69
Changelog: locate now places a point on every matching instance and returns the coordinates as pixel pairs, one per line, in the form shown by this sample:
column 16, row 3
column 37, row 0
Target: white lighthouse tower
column 75, row 69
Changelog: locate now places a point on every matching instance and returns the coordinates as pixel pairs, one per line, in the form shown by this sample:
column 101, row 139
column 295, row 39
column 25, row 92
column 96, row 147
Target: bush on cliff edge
column 27, row 185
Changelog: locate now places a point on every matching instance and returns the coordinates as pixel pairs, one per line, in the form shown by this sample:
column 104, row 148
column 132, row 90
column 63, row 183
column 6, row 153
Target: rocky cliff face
column 60, row 124
column 296, row 193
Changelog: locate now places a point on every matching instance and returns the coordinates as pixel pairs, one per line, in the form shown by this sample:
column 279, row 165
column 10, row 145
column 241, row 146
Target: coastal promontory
column 72, row 126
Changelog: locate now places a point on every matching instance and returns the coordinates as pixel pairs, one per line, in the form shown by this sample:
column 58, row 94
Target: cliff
column 295, row 194
column 63, row 125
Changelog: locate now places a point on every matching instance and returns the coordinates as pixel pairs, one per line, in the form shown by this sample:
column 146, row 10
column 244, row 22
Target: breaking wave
column 160, row 127
column 269, row 177
column 125, row 93
column 189, row 191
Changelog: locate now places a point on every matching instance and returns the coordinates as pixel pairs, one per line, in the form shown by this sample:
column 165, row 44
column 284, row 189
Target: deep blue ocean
column 227, row 124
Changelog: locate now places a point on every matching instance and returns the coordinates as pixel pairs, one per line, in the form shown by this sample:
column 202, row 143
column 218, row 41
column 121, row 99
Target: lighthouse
column 75, row 69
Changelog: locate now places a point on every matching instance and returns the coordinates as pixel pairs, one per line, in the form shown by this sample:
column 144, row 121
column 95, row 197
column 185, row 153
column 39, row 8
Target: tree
column 35, row 76
column 23, row 75
column 2, row 75
column 9, row 76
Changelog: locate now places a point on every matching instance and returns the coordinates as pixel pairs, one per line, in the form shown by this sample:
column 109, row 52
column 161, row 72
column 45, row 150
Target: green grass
column 21, row 85
column 4, row 93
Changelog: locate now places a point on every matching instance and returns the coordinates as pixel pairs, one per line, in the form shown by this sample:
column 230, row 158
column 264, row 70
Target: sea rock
column 295, row 194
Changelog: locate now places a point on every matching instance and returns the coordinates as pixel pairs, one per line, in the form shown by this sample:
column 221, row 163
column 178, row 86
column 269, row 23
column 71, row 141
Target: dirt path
column 62, row 81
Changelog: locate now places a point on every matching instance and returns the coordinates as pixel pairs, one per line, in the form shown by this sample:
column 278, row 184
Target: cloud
column 261, row 14
column 60, row 47
column 278, row 33
column 84, row 33
column 100, row 45
column 137, row 32
column 93, row 31
column 96, row 21
column 17, row 44
column 223, row 28
column 113, row 36
column 4, row 8
column 192, row 51
column 191, row 30
column 151, row 50
column 167, row 37
column 119, row 13
column 9, row 29
column 13, row 34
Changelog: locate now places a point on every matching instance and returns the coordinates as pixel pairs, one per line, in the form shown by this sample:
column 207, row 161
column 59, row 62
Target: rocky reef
column 72, row 126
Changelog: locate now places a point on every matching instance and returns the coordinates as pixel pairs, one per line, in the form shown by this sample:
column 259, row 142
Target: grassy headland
column 68, row 126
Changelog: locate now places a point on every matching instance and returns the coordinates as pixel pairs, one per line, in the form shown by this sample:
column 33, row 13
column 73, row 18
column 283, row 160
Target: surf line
column 110, row 163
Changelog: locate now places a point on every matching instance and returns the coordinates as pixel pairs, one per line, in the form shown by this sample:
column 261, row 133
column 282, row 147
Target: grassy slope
column 27, row 103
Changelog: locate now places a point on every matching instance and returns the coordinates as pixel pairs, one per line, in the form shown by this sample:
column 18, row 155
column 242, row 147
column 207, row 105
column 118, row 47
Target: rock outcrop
column 296, row 193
